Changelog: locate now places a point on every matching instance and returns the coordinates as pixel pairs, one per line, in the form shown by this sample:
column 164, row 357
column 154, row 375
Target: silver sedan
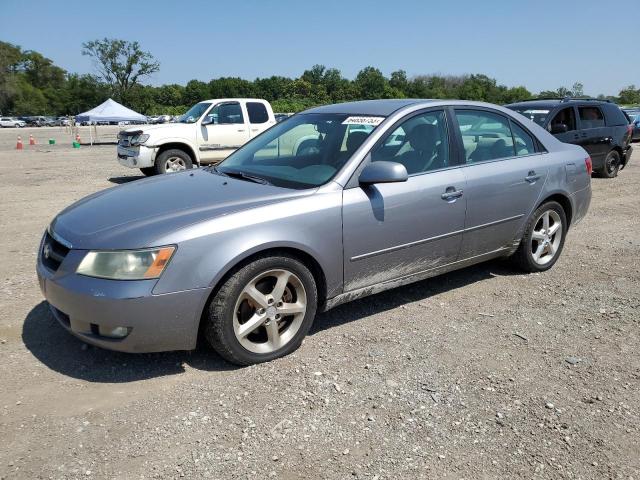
column 333, row 204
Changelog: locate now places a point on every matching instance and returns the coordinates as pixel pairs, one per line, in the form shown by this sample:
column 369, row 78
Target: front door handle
column 241, row 130
column 532, row 177
column 451, row 194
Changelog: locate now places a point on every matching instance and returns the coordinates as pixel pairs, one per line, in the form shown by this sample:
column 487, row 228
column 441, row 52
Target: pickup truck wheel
column 148, row 171
column 543, row 238
column 263, row 311
column 611, row 165
column 173, row 160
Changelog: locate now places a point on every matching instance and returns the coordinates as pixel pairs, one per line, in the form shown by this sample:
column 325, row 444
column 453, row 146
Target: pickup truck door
column 259, row 120
column 223, row 129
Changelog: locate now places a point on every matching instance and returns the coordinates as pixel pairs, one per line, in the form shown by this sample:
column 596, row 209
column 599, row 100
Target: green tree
column 121, row 64
column 370, row 83
column 399, row 80
column 10, row 56
column 195, row 92
column 630, row 95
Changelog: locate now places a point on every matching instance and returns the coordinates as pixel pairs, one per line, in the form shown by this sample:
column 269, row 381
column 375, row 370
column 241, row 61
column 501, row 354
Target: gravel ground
column 482, row 373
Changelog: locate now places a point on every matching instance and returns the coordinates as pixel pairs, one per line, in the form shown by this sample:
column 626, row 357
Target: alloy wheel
column 546, row 237
column 269, row 311
column 175, row 164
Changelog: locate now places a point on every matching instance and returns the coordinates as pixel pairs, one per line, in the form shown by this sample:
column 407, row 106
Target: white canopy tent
column 109, row 111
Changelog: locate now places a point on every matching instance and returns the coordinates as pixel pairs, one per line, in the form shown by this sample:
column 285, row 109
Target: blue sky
column 539, row 44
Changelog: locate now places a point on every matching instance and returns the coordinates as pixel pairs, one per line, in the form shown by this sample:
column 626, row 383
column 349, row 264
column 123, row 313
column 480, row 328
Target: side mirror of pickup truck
column 208, row 120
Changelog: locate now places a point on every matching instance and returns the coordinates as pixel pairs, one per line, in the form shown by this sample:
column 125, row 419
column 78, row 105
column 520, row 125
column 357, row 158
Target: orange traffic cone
column 19, row 144
column 32, row 141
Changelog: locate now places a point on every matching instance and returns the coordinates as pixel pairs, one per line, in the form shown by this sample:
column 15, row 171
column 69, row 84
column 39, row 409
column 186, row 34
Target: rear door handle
column 451, row 194
column 532, row 177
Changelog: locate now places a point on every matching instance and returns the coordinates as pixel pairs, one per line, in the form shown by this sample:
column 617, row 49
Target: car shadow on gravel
column 414, row 292
column 125, row 179
column 65, row 354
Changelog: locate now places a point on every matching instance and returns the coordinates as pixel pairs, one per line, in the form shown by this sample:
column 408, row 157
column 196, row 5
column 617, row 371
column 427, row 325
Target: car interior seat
column 426, row 149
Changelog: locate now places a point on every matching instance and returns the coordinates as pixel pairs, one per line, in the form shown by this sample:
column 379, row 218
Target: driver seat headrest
column 423, row 137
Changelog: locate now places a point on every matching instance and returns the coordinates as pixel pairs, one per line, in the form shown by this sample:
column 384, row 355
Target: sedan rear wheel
column 263, row 311
column 543, row 238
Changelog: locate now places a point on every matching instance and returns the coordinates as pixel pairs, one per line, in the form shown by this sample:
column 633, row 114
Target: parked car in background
column 207, row 133
column 634, row 117
column 62, row 122
column 10, row 122
column 37, row 121
column 282, row 116
column 599, row 126
column 246, row 252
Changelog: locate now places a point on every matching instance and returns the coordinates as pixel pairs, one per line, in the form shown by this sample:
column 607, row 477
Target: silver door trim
column 432, row 239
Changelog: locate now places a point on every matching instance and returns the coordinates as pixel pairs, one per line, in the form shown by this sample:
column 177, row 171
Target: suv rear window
column 591, row 117
column 257, row 112
column 614, row 115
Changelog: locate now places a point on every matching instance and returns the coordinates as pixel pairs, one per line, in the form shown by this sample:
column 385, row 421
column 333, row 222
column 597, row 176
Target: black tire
column 523, row 258
column 611, row 165
column 219, row 315
column 148, row 171
column 164, row 157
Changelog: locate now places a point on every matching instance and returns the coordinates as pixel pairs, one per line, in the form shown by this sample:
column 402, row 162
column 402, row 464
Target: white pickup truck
column 207, row 133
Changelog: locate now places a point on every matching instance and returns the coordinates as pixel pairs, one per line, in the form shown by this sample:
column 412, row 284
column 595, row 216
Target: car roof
column 369, row 107
column 536, row 104
column 551, row 103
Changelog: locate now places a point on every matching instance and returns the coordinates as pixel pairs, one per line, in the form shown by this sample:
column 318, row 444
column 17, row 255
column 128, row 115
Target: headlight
column 126, row 264
column 139, row 139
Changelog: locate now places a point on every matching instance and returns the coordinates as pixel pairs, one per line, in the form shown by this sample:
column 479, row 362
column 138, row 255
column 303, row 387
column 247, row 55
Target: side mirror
column 207, row 120
column 383, row 172
column 559, row 128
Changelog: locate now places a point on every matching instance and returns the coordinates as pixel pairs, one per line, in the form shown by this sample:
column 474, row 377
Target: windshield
column 194, row 113
column 538, row 115
column 305, row 151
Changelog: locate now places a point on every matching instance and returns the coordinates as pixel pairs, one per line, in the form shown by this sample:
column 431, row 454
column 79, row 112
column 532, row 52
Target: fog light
column 118, row 332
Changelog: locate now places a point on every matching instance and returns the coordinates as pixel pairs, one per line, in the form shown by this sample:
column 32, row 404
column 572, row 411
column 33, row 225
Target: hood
column 186, row 130
column 136, row 214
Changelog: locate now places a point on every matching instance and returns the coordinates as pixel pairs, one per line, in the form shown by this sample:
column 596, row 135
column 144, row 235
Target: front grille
column 53, row 252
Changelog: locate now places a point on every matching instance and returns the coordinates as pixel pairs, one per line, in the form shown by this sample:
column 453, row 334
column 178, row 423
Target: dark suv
column 599, row 126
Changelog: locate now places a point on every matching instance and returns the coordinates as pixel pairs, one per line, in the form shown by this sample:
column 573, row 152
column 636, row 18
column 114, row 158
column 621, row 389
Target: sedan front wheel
column 263, row 311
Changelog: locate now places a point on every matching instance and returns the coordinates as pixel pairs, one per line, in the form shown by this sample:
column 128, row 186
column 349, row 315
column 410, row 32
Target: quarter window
column 226, row 113
column 486, row 136
column 420, row 143
column 257, row 112
column 590, row 117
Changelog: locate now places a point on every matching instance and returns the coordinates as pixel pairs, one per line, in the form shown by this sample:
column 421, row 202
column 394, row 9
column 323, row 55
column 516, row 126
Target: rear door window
column 257, row 112
column 591, row 117
column 523, row 140
column 485, row 135
column 566, row 116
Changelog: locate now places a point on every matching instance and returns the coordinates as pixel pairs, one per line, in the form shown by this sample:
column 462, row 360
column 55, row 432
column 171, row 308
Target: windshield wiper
column 243, row 176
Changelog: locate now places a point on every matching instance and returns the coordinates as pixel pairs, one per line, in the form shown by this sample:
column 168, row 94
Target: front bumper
column 137, row 157
column 90, row 308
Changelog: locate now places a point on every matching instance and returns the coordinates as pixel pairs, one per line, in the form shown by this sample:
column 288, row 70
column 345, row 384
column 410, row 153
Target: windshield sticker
column 374, row 121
